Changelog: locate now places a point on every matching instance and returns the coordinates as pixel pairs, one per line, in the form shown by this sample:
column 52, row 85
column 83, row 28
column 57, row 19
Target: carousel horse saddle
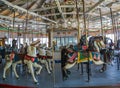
column 22, row 57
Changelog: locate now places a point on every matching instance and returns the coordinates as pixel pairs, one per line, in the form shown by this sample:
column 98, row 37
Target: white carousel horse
column 42, row 56
column 49, row 53
column 28, row 59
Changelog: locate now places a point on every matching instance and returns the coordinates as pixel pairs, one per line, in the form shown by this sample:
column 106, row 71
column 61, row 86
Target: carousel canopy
column 40, row 15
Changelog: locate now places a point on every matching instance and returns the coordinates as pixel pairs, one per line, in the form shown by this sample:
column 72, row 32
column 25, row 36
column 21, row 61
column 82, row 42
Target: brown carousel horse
column 81, row 53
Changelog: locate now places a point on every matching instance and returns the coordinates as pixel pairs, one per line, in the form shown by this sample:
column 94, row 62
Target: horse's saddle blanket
column 84, row 56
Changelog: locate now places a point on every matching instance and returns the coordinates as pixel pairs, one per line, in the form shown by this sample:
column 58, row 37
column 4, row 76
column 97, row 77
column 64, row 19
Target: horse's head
column 84, row 41
column 49, row 48
column 97, row 43
column 42, row 46
column 35, row 43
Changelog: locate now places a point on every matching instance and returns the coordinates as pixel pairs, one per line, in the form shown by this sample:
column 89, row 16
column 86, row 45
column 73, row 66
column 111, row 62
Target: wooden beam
column 24, row 10
column 93, row 7
column 59, row 8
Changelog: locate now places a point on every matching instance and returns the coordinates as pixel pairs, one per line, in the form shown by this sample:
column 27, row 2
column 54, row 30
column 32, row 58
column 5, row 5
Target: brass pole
column 84, row 19
column 112, row 23
column 116, row 29
column 8, row 34
column 18, row 35
column 53, row 65
column 13, row 23
column 77, row 16
column 101, row 31
column 26, row 23
column 86, row 32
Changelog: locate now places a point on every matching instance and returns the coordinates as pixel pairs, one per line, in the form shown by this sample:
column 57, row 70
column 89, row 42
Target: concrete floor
column 110, row 77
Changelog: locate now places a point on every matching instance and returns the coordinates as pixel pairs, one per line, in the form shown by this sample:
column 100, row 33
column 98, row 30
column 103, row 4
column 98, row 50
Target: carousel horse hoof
column 4, row 78
column 36, row 83
column 65, row 78
column 17, row 78
column 101, row 70
column 68, row 72
column 49, row 73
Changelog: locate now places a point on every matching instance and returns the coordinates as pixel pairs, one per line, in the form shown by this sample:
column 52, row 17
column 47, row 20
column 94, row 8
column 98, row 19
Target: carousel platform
column 108, row 79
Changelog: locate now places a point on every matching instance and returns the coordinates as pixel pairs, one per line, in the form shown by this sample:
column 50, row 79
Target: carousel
column 59, row 43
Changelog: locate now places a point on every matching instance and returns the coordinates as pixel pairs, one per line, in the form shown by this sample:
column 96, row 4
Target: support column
column 50, row 38
column 13, row 23
column 77, row 16
column 112, row 20
column 101, row 31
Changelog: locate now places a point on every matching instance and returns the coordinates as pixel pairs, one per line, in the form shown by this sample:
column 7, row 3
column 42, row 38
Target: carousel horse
column 103, row 48
column 42, row 56
column 64, row 58
column 28, row 59
column 49, row 54
column 82, row 53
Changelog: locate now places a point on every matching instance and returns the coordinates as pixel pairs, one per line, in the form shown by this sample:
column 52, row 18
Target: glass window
column 66, row 41
column 62, row 41
column 70, row 40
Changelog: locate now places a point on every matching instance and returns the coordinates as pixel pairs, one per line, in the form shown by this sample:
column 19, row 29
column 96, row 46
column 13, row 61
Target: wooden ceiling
column 57, row 14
